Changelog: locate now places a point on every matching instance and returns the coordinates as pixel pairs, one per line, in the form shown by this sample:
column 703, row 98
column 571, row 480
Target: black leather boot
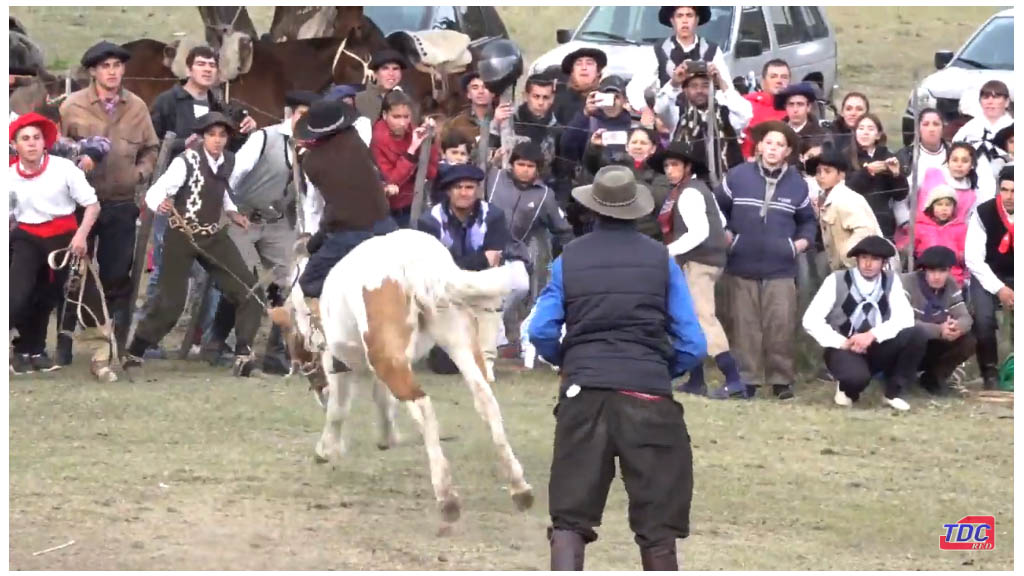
column 659, row 558
column 567, row 548
column 275, row 357
column 64, row 353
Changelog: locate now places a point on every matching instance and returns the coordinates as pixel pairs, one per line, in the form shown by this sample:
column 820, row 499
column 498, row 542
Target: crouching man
column 863, row 320
column 630, row 328
column 942, row 315
column 475, row 233
column 194, row 191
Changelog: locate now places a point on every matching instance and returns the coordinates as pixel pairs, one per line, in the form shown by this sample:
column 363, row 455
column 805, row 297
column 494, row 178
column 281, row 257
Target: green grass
column 192, row 469
column 881, row 48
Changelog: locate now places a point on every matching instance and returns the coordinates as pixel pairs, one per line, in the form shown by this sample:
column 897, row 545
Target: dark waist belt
column 263, row 216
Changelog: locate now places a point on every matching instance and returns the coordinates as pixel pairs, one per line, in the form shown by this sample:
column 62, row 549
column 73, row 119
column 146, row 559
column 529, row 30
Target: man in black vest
column 989, row 257
column 672, row 53
column 694, row 231
column 195, row 186
column 630, row 328
column 864, row 321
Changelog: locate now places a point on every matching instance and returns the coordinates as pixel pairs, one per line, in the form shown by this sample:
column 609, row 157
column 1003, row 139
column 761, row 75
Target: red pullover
column 396, row 165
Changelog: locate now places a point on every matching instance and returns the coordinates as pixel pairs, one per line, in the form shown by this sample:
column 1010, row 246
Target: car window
column 753, row 27
column 991, row 49
column 473, row 23
column 392, row 18
column 789, row 28
column 639, row 25
column 816, row 27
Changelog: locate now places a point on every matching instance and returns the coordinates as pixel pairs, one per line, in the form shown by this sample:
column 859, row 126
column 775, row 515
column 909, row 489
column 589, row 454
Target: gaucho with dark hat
column 864, row 321
column 194, row 191
column 682, row 46
column 629, row 329
column 388, row 67
column 345, row 182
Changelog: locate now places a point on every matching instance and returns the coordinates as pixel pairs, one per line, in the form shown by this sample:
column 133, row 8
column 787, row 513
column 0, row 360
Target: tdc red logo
column 970, row 533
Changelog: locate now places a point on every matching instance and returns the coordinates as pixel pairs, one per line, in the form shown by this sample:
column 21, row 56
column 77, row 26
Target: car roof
column 1007, row 12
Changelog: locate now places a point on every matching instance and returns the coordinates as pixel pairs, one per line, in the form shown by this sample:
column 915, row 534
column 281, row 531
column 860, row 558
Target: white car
column 749, row 36
column 954, row 89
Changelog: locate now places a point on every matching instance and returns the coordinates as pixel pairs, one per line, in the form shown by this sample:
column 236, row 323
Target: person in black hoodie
column 876, row 172
column 855, row 105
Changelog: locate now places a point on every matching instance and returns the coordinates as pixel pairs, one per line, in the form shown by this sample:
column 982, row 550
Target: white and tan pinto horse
column 383, row 307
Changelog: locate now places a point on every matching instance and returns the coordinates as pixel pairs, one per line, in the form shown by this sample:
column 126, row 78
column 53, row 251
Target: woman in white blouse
column 45, row 191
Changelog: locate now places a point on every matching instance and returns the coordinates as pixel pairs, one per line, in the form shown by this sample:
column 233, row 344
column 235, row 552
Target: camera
column 604, row 100
column 696, row 67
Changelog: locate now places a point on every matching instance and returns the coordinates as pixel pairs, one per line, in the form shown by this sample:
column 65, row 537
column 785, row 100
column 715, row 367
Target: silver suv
column 748, row 36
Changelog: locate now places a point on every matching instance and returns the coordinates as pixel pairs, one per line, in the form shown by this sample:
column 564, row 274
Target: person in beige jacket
column 106, row 109
column 844, row 216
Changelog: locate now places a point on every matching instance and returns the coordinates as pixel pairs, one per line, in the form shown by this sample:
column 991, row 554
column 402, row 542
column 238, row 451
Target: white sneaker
column 842, row 399
column 897, row 404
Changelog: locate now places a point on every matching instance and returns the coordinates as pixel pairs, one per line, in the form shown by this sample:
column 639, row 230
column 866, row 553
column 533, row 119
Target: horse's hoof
column 450, row 510
column 523, row 500
column 318, row 459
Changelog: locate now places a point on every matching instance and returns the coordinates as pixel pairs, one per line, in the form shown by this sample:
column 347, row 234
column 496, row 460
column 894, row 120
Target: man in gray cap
column 629, row 329
column 106, row 109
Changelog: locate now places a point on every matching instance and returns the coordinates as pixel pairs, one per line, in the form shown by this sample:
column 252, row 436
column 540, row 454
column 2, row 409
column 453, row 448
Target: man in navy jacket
column 770, row 221
column 630, row 328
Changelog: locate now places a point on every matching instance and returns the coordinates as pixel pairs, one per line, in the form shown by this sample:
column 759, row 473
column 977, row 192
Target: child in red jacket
column 396, row 149
column 940, row 225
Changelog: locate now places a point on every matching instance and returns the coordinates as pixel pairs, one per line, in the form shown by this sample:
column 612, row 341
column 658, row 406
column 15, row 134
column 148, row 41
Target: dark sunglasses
column 991, row 94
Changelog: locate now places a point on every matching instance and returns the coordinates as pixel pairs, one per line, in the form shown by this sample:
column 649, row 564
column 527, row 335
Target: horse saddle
column 434, row 51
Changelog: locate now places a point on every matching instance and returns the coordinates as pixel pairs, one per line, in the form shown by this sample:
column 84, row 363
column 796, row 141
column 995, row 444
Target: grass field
column 190, row 469
column 880, row 48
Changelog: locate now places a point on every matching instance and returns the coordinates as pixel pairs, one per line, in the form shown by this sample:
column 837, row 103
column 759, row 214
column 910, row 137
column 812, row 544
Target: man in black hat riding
column 940, row 313
column 261, row 186
column 345, row 200
column 865, row 323
column 476, row 234
column 673, row 53
column 388, row 66
column 106, row 109
column 194, row 192
column 630, row 328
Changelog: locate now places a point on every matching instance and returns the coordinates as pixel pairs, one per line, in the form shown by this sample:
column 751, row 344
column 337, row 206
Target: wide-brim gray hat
column 616, row 193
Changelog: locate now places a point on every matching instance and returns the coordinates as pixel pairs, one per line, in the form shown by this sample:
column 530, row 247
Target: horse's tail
column 467, row 286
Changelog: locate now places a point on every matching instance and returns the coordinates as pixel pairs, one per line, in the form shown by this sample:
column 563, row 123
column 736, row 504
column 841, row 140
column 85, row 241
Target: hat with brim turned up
column 211, row 119
column 45, row 125
column 615, row 193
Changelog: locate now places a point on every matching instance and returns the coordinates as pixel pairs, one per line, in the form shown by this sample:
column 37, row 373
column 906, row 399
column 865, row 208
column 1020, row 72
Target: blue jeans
column 336, row 246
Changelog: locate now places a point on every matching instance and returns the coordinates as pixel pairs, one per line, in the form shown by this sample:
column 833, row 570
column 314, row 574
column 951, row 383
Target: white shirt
column 975, row 252
column 692, row 208
column 741, row 111
column 901, row 315
column 54, row 193
column 312, row 209
column 644, row 79
column 174, row 178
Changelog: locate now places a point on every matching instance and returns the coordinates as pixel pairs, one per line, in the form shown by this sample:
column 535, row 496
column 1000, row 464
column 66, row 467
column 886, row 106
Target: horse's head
column 352, row 25
column 236, row 55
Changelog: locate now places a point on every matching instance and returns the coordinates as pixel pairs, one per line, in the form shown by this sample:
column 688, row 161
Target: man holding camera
column 685, row 102
column 604, row 110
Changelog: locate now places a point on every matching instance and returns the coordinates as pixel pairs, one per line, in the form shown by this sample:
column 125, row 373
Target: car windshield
column 393, row 18
column 639, row 25
column 991, row 48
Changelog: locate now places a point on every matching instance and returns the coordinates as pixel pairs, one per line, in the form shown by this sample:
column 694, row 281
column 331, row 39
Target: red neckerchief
column 1007, row 242
column 665, row 216
column 31, row 175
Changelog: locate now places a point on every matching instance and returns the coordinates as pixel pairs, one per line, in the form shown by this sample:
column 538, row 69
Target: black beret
column 457, row 173
column 100, row 52
column 873, row 246
column 937, row 258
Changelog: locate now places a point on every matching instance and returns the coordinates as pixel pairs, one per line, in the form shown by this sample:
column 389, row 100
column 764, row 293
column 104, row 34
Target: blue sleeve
column 687, row 337
column 545, row 331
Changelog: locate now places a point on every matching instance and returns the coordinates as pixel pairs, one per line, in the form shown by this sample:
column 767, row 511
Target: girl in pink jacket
column 941, row 225
column 960, row 173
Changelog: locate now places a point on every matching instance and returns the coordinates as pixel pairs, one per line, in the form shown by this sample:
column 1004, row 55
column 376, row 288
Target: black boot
column 567, row 549
column 660, row 558
column 64, row 353
column 122, row 318
column 275, row 358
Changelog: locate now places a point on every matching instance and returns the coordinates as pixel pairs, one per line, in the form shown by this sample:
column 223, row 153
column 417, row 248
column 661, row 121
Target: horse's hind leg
column 471, row 364
column 99, row 365
column 340, row 390
column 387, row 406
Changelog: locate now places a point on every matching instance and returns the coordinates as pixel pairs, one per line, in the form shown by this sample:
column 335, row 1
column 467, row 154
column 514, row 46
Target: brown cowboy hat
column 758, row 132
column 586, row 52
column 615, row 193
column 211, row 119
